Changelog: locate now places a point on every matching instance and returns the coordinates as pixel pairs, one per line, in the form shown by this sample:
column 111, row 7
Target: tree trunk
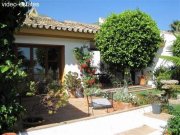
column 126, row 77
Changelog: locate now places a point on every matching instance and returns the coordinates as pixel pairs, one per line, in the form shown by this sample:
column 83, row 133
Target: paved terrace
column 75, row 109
column 134, row 122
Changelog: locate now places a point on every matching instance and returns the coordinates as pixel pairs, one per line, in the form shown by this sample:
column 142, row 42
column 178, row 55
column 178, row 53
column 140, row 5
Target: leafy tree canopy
column 130, row 39
column 11, row 17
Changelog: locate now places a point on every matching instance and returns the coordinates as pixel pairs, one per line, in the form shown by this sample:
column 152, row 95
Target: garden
column 128, row 43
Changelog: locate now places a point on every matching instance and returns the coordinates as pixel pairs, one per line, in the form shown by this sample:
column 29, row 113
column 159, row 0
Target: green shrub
column 55, row 98
column 33, row 86
column 162, row 73
column 72, row 81
column 144, row 96
column 166, row 108
column 9, row 114
column 176, row 107
column 176, row 73
column 176, row 46
column 143, row 100
column 92, row 91
column 173, row 125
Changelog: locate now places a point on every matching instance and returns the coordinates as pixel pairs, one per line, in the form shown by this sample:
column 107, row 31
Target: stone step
column 161, row 116
column 143, row 130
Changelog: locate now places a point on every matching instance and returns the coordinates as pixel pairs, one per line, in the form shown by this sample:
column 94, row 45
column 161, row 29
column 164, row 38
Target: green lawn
column 177, row 107
column 146, row 92
column 142, row 95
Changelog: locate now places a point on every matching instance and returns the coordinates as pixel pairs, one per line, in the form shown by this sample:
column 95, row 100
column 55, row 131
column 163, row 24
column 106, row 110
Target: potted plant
column 156, row 103
column 73, row 84
column 32, row 119
column 55, row 98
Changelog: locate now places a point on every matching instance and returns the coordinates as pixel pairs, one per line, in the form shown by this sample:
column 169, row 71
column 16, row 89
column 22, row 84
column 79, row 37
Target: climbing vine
column 84, row 59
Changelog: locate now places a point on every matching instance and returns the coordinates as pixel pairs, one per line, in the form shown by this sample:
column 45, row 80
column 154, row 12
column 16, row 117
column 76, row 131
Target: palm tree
column 174, row 59
column 175, row 27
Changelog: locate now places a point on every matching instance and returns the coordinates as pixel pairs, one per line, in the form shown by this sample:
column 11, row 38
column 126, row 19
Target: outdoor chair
column 99, row 102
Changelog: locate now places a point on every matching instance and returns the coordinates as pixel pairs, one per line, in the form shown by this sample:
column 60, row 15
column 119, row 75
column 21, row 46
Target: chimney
column 101, row 20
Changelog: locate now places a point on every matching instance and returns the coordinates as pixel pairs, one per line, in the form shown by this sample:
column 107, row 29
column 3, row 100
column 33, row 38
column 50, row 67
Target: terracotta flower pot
column 142, row 80
column 32, row 121
column 9, row 133
column 121, row 105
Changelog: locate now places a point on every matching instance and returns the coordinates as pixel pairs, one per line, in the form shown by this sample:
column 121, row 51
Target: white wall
column 70, row 44
column 113, row 124
column 96, row 60
column 166, row 50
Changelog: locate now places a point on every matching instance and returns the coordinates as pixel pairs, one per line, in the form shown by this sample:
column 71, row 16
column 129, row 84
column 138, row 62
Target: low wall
column 109, row 124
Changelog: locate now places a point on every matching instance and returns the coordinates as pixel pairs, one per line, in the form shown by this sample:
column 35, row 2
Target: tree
column 129, row 40
column 175, row 27
column 176, row 47
column 174, row 59
column 10, row 73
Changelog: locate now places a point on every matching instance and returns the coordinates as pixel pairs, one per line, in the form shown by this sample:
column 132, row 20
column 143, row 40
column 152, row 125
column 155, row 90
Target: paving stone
column 161, row 116
column 144, row 130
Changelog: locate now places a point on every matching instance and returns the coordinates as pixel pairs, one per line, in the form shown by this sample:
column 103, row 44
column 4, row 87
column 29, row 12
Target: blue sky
column 164, row 12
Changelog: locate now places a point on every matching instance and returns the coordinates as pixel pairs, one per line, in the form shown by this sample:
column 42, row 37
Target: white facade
column 96, row 60
column 69, row 44
column 169, row 38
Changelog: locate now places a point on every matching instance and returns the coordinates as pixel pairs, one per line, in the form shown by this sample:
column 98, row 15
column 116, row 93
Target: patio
column 139, row 121
column 76, row 108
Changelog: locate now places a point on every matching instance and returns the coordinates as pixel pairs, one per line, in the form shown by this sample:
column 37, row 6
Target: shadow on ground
column 69, row 112
column 66, row 113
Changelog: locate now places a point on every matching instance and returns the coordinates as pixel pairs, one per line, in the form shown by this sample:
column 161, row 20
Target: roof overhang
column 29, row 31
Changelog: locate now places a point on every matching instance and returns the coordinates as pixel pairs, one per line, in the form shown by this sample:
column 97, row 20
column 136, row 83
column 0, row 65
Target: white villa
column 48, row 44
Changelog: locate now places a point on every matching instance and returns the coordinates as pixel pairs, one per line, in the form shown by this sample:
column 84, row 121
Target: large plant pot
column 76, row 93
column 32, row 121
column 156, row 108
column 9, row 133
column 79, row 93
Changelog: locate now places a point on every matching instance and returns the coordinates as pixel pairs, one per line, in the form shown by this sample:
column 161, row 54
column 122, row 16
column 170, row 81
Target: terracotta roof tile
column 43, row 22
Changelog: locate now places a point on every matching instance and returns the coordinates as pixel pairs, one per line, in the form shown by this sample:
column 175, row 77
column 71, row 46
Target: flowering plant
column 72, row 81
column 129, row 98
column 84, row 58
column 55, row 98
